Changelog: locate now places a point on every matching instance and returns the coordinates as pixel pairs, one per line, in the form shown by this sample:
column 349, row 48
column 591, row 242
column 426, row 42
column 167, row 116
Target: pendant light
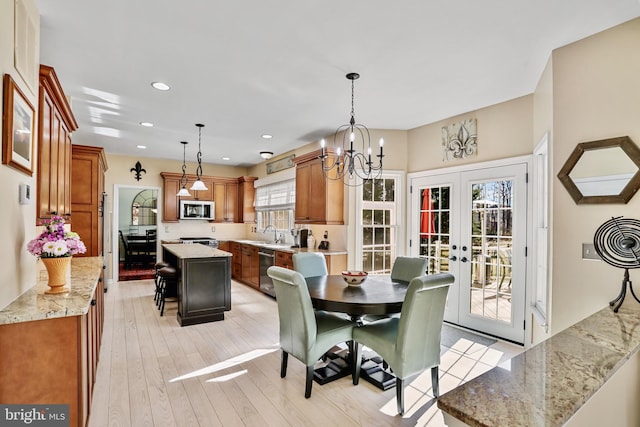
column 342, row 161
column 199, row 185
column 183, row 180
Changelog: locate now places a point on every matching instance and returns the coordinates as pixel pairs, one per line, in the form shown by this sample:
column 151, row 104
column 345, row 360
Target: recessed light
column 146, row 124
column 160, row 86
column 267, row 136
column 226, row 158
column 142, row 147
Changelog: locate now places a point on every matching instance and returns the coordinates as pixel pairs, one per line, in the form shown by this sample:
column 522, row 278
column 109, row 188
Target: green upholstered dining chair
column 411, row 343
column 304, row 333
column 310, row 264
column 406, row 268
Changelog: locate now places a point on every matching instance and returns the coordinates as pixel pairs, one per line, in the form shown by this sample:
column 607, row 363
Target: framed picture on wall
column 18, row 124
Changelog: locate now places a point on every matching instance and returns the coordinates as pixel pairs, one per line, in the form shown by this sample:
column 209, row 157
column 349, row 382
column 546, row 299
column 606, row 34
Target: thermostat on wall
column 25, row 194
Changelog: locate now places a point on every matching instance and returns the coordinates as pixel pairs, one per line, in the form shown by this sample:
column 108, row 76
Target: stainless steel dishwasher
column 267, row 258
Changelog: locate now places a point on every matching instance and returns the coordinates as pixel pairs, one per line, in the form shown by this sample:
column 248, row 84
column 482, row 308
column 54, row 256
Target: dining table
column 376, row 295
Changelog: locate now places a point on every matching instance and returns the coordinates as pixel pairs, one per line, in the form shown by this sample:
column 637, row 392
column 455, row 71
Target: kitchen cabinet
column 233, row 197
column 55, row 360
column 236, row 261
column 246, row 199
column 88, row 165
column 225, row 196
column 224, row 245
column 56, row 122
column 318, row 200
column 284, row 259
column 251, row 265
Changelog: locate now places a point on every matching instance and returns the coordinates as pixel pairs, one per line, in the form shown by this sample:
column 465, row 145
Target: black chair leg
column 283, row 364
column 435, row 382
column 357, row 362
column 308, row 382
column 400, row 395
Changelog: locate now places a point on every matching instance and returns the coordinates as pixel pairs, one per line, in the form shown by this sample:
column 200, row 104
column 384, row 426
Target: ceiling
column 248, row 67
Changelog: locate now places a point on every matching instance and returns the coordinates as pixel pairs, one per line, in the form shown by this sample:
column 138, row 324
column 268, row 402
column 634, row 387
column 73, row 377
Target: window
column 275, row 204
column 378, row 213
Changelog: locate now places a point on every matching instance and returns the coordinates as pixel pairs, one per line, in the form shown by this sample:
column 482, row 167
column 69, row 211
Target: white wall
column 595, row 96
column 17, row 224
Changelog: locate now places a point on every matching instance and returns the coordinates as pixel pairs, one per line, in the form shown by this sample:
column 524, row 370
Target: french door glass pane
column 491, row 231
column 434, row 228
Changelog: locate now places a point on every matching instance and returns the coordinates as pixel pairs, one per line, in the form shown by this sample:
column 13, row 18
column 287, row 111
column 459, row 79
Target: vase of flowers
column 55, row 247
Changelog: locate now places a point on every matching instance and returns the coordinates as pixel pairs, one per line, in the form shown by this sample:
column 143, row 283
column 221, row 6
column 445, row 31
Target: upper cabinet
column 318, row 200
column 55, row 124
column 88, row 167
column 233, row 197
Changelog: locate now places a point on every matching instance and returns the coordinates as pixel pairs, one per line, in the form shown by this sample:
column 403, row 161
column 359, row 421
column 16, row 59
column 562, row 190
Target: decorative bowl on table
column 354, row 278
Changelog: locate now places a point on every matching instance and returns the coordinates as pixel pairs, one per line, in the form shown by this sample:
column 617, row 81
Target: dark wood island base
column 204, row 282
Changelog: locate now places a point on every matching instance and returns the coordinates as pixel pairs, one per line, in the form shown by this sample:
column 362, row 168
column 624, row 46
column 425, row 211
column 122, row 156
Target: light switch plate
column 589, row 251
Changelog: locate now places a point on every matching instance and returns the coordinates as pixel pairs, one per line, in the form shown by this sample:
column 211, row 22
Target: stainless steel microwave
column 196, row 209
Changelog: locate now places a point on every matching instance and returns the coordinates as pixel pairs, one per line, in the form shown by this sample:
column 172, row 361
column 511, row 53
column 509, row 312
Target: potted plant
column 55, row 247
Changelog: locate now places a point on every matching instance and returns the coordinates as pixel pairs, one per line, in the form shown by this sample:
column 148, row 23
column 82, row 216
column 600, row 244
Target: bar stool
column 168, row 285
column 158, row 265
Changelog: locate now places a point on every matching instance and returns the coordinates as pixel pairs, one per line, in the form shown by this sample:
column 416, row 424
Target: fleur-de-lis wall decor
column 138, row 170
column 460, row 140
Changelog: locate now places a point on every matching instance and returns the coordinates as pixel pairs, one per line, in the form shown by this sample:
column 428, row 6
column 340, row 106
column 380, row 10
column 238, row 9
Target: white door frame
column 115, row 238
column 410, row 232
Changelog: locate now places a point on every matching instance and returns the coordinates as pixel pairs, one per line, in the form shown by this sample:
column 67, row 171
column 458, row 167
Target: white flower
column 57, row 248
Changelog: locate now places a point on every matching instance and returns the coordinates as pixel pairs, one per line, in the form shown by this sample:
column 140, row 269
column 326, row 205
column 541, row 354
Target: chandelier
column 341, row 161
column 183, row 180
column 198, row 185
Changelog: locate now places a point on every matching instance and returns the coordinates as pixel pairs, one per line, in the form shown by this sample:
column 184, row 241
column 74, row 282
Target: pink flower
column 54, row 242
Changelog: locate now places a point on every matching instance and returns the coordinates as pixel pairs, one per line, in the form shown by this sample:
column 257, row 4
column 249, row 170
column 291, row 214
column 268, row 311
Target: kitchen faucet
column 275, row 232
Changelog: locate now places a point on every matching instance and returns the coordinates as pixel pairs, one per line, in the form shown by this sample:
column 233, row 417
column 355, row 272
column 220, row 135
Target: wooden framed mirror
column 605, row 171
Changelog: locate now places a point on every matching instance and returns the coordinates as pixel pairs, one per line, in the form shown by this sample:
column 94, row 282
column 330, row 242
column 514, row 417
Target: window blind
column 278, row 196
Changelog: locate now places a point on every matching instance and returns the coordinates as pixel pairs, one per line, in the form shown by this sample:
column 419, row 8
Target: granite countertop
column 182, row 250
column 34, row 304
column 288, row 248
column 546, row 384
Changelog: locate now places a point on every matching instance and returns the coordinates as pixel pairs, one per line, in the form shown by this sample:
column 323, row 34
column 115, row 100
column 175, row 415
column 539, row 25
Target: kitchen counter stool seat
column 168, row 285
column 158, row 265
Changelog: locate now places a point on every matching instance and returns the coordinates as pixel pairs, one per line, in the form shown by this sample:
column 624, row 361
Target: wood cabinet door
column 170, row 202
column 303, row 184
column 284, row 259
column 226, row 201
column 45, row 109
column 254, row 268
column 317, row 192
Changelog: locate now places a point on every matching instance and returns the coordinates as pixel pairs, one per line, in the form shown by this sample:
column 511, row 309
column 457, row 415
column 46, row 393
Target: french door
column 473, row 225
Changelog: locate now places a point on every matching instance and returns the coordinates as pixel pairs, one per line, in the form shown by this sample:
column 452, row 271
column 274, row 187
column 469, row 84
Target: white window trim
column 539, row 302
column 355, row 193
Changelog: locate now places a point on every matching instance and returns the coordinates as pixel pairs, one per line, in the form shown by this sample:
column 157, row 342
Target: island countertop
column 183, row 251
column 546, row 384
column 34, row 304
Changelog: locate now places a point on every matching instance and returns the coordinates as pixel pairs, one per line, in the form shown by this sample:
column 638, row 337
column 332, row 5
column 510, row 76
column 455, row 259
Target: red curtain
column 427, row 217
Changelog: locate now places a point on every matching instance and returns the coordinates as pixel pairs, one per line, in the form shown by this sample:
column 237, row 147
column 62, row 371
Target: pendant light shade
column 199, row 185
column 183, row 180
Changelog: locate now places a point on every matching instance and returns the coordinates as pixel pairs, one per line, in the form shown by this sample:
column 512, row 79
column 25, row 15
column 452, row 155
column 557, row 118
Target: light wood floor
column 233, row 371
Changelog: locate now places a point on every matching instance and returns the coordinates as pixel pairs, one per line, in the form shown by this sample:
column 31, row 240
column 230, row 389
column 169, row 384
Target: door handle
column 464, row 259
column 453, row 258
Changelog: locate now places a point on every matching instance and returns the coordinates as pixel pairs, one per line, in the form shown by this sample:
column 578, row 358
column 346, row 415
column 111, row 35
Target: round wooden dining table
column 376, row 295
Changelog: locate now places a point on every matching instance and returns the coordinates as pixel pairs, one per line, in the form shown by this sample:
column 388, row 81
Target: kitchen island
column 204, row 281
